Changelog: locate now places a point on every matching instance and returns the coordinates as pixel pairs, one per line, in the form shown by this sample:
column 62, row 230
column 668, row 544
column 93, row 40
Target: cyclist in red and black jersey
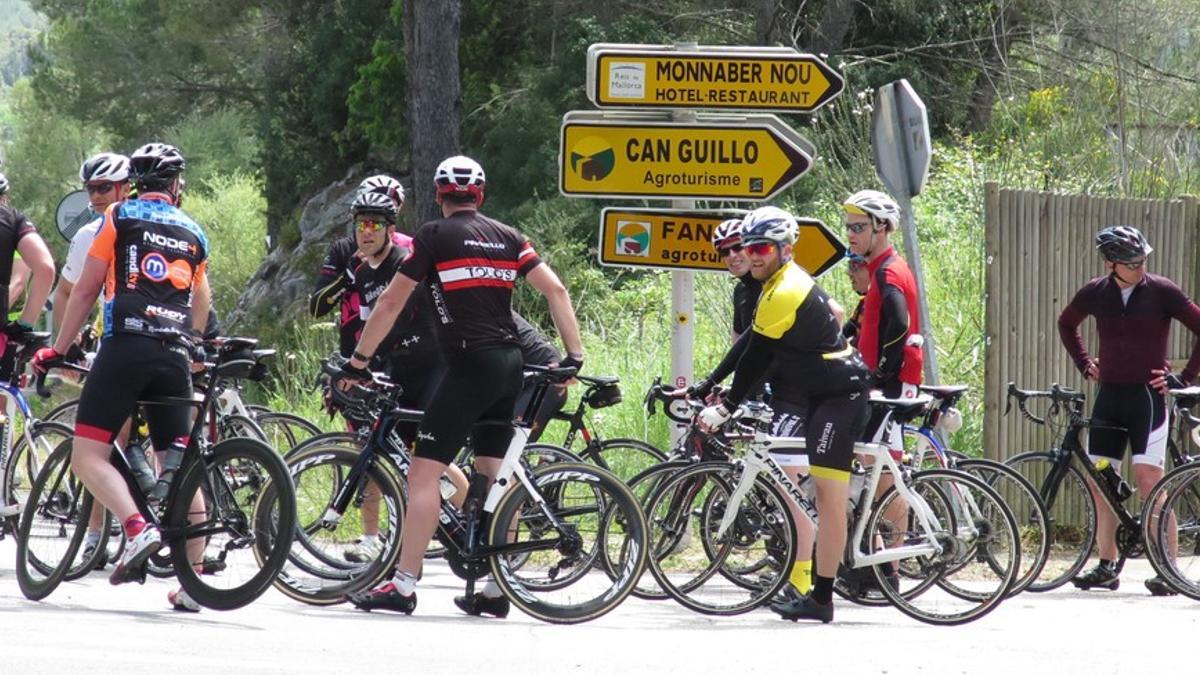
column 1133, row 311
column 472, row 263
column 150, row 258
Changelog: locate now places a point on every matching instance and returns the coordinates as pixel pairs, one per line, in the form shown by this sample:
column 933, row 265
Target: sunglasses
column 99, row 188
column 857, row 228
column 1133, row 265
column 369, row 225
column 760, row 249
column 724, row 252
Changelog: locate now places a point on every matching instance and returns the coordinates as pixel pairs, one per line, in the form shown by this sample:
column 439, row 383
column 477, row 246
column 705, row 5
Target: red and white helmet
column 385, row 185
column 728, row 233
column 460, row 175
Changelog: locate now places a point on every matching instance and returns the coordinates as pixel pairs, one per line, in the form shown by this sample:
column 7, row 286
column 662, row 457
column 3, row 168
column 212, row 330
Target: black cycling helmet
column 1122, row 243
column 374, row 204
column 153, row 165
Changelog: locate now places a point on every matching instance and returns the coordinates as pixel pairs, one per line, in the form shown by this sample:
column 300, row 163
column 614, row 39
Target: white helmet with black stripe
column 105, row 167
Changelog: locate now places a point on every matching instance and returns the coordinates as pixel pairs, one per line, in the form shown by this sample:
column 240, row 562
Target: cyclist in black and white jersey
column 472, row 263
column 18, row 236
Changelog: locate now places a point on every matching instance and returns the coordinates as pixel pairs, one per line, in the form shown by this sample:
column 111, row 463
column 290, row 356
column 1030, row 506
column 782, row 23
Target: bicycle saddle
column 946, row 391
column 903, row 409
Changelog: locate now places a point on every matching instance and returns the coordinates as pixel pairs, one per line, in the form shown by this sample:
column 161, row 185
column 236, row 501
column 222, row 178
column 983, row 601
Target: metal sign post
column 901, row 143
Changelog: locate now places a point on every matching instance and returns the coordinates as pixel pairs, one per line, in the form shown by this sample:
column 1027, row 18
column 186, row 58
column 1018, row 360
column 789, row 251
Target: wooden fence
column 1039, row 252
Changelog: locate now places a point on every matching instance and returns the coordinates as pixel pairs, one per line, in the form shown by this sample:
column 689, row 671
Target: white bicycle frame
column 758, row 459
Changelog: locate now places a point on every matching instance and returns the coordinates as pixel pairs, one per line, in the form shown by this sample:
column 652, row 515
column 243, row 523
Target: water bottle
column 447, row 488
column 858, row 481
column 171, row 464
column 1119, row 487
column 143, row 475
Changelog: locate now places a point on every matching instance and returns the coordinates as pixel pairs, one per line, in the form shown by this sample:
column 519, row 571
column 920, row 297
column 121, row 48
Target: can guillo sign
column 751, row 157
column 681, row 240
column 730, row 78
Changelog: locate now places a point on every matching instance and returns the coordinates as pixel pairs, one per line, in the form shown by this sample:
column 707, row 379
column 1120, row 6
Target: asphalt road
column 131, row 629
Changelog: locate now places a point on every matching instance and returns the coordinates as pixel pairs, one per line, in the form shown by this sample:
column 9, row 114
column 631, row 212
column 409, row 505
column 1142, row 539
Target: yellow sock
column 801, row 576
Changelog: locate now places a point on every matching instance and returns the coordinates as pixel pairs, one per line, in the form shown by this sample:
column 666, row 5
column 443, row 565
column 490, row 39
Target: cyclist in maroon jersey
column 472, row 263
column 1133, row 311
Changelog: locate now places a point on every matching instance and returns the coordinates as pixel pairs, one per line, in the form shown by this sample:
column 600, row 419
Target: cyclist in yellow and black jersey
column 795, row 335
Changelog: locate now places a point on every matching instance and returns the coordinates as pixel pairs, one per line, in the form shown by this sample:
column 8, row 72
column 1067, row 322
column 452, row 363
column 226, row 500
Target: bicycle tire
column 623, row 457
column 1070, row 541
column 618, row 522
column 643, row 487
column 284, row 431
column 1176, row 495
column 1027, row 508
column 762, row 516
column 345, row 439
column 265, row 534
column 949, row 494
column 22, row 467
column 316, row 582
column 64, row 501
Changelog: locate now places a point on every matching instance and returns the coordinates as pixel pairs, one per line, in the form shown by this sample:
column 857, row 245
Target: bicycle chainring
column 463, row 568
column 1129, row 540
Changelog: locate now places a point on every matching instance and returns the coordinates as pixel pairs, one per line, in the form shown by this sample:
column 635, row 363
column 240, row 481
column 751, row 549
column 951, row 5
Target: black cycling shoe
column 804, row 608
column 386, row 597
column 1100, row 576
column 478, row 604
column 1159, row 587
column 212, row 565
column 784, row 598
column 101, row 560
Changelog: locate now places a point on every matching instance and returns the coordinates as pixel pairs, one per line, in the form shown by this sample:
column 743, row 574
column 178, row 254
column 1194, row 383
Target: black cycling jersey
column 472, row 263
column 13, row 227
column 156, row 256
column 535, row 348
column 745, row 298
column 333, row 290
column 368, row 283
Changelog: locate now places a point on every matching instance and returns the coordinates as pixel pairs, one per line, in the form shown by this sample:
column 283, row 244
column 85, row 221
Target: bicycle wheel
column 249, row 519
column 643, row 487
column 1072, row 518
column 1027, row 508
column 317, row 571
column 762, row 527
column 63, row 413
column 592, row 511
column 284, row 431
column 624, row 457
column 1171, row 529
column 237, row 426
column 344, row 439
column 27, row 459
column 980, row 554
column 52, row 526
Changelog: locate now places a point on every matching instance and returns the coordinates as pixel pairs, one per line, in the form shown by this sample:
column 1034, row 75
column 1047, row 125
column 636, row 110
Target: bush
column 232, row 212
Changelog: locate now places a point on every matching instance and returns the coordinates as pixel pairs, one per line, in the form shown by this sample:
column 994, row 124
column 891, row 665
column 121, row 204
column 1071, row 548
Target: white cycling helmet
column 770, row 223
column 3, row 184
column 460, row 175
column 385, row 185
column 727, row 233
column 106, row 166
column 876, row 204
column 374, row 203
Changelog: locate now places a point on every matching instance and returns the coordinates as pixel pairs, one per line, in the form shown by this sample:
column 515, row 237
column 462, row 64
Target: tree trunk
column 983, row 95
column 830, row 34
column 431, row 33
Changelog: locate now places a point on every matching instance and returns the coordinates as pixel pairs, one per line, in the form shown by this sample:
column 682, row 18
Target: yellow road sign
column 730, row 78
column 674, row 240
column 751, row 157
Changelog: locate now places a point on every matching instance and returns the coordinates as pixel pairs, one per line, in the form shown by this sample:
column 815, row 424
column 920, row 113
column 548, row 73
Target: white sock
column 91, row 539
column 491, row 590
column 405, row 582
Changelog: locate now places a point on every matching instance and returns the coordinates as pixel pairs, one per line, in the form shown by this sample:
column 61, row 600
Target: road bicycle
column 956, row 551
column 249, row 514
column 538, row 532
column 1171, row 512
column 1062, row 475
